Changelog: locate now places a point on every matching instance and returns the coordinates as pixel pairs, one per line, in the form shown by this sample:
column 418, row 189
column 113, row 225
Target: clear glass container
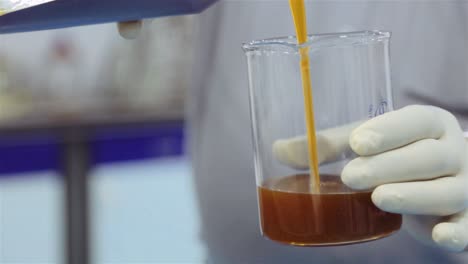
column 350, row 75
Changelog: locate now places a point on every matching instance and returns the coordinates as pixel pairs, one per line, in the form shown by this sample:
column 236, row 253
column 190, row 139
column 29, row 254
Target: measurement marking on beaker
column 379, row 110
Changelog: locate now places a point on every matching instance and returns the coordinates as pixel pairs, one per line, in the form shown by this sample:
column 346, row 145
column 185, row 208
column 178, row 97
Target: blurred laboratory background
column 123, row 102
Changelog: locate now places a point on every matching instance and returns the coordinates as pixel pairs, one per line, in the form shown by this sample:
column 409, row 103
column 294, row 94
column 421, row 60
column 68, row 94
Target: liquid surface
column 290, row 214
column 300, row 22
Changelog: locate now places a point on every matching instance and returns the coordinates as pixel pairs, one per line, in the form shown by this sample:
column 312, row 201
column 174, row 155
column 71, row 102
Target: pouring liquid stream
column 299, row 17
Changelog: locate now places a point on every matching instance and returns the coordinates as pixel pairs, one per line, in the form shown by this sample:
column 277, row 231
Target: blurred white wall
column 86, row 67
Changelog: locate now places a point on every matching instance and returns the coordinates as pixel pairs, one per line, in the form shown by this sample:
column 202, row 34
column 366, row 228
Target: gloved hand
column 416, row 157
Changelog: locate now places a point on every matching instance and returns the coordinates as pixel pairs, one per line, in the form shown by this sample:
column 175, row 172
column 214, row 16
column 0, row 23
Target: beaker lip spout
column 289, row 43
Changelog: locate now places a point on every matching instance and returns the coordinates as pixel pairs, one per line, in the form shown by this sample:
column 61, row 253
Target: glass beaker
column 350, row 75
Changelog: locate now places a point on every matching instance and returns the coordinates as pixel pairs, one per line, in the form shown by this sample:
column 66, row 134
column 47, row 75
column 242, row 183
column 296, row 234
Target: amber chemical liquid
column 291, row 214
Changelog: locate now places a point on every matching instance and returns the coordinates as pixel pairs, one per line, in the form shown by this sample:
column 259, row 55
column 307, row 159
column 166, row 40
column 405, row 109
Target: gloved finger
column 453, row 234
column 395, row 129
column 421, row 160
column 440, row 197
column 331, row 143
column 130, row 29
column 292, row 152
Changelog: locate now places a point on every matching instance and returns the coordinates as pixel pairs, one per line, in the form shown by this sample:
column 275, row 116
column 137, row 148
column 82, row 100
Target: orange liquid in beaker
column 292, row 215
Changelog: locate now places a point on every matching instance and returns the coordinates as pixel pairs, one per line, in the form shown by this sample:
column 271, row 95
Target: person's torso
column 427, row 58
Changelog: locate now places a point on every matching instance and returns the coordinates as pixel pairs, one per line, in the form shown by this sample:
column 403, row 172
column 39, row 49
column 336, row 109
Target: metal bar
column 76, row 164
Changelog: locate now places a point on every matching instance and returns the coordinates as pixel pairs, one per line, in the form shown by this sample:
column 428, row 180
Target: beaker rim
column 289, row 43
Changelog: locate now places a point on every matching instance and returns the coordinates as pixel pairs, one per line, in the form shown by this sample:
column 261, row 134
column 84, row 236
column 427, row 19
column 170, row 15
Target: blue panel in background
column 134, row 143
column 26, row 153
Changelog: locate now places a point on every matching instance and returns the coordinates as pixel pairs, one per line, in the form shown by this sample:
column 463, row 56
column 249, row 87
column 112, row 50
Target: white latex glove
column 330, row 143
column 415, row 157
